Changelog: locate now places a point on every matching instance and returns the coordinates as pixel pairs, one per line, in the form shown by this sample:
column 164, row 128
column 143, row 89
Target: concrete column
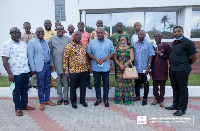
column 185, row 20
column 83, row 17
column 144, row 25
column 110, row 19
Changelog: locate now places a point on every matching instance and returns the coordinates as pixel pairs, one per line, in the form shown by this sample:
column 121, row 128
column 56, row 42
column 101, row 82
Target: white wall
column 13, row 13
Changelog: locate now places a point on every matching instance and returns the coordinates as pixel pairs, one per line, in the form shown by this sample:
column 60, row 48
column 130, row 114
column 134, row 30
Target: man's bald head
column 77, row 37
column 137, row 26
column 70, row 28
column 99, row 23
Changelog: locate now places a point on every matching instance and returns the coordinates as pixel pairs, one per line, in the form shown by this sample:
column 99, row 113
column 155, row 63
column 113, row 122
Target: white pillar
column 110, row 19
column 83, row 19
column 185, row 21
column 144, row 25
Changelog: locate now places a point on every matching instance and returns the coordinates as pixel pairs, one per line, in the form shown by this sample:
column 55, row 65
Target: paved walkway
column 114, row 118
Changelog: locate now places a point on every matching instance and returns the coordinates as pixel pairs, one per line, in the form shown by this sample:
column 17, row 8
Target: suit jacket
column 57, row 46
column 35, row 55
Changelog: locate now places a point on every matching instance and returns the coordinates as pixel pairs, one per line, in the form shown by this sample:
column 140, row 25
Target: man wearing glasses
column 39, row 60
column 15, row 61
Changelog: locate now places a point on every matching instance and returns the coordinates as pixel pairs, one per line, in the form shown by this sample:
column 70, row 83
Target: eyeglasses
column 14, row 32
column 157, row 36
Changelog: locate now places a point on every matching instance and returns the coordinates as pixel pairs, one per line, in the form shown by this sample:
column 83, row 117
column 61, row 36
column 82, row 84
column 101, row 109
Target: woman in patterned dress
column 124, row 56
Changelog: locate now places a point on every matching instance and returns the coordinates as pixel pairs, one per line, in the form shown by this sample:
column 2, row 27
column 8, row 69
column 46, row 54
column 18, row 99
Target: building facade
column 14, row 13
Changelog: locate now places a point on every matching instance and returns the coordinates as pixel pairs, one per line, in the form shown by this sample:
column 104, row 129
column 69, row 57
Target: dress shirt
column 135, row 38
column 26, row 37
column 75, row 59
column 94, row 34
column 142, row 52
column 68, row 34
column 179, row 58
column 18, row 58
column 45, row 49
column 101, row 49
column 49, row 34
column 84, row 39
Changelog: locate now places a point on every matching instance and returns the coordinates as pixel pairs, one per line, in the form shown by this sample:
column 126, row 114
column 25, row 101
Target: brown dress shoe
column 41, row 106
column 161, row 104
column 19, row 113
column 49, row 103
column 154, row 102
column 28, row 108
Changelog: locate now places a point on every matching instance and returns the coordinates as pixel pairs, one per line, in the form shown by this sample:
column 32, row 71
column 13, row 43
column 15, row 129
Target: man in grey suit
column 57, row 45
column 39, row 60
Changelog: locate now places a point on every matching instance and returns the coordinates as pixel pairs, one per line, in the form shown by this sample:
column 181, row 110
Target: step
column 194, row 91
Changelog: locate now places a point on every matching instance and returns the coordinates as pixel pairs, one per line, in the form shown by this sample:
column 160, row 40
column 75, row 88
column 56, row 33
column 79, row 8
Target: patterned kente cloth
column 124, row 90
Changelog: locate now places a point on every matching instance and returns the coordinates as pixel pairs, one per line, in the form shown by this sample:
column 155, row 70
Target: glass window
column 195, row 33
column 91, row 20
column 60, row 10
column 128, row 19
column 160, row 21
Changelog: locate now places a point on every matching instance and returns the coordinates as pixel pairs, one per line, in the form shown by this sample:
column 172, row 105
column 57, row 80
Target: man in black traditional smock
column 160, row 69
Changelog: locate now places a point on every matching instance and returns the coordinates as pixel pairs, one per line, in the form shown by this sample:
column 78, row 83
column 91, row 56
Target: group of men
column 69, row 55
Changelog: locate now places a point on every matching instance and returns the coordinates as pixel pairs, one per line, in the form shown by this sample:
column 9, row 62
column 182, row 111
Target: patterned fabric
column 94, row 34
column 115, row 38
column 75, row 59
column 100, row 49
column 49, row 34
column 18, row 58
column 124, row 90
column 142, row 52
column 26, row 37
column 85, row 38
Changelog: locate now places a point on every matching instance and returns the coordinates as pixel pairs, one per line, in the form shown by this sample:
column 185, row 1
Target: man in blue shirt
column 100, row 50
column 143, row 52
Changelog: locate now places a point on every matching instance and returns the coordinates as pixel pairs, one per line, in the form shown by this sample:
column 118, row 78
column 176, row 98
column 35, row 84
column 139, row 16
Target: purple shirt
column 45, row 49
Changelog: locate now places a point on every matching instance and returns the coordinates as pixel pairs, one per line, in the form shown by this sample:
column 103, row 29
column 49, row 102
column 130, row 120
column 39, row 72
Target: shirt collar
column 40, row 40
column 73, row 43
column 15, row 42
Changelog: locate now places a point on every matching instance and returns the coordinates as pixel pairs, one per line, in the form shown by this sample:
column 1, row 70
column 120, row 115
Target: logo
column 141, row 120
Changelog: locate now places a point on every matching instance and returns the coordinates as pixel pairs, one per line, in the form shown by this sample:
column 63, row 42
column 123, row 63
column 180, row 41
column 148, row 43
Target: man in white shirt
column 15, row 61
column 137, row 27
column 70, row 30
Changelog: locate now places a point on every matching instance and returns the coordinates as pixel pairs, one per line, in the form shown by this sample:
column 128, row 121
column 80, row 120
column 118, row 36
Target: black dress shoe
column 171, row 108
column 106, row 103
column 84, row 104
column 97, row 102
column 179, row 113
column 136, row 99
column 74, row 105
column 144, row 102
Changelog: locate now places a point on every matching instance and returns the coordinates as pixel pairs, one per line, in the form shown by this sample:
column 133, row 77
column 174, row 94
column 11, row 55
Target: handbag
column 130, row 73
